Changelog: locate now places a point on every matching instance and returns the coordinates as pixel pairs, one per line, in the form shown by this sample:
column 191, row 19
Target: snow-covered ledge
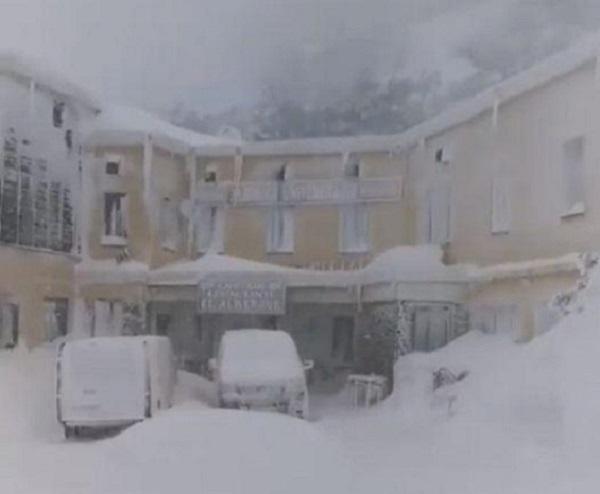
column 90, row 272
column 570, row 263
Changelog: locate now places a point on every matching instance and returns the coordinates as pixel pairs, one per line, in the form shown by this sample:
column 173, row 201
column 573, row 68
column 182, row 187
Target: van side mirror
column 308, row 364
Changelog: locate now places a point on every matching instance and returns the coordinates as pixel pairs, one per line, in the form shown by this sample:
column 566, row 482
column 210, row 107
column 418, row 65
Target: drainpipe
column 495, row 109
column 190, row 163
column 147, row 192
column 238, row 163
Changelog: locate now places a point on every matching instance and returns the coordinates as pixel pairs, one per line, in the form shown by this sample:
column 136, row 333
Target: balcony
column 302, row 192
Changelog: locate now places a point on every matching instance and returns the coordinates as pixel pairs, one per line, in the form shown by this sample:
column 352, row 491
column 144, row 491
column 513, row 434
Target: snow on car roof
column 258, row 355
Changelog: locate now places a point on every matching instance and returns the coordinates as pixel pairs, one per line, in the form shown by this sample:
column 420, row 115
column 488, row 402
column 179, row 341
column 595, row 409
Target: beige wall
column 525, row 146
column 129, row 182
column 316, row 232
column 170, row 178
column 28, row 277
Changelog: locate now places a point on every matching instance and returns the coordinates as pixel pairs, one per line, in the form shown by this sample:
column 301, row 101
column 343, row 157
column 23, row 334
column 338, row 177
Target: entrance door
column 342, row 343
column 432, row 327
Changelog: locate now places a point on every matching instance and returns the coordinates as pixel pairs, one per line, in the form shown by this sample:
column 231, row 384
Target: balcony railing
column 298, row 192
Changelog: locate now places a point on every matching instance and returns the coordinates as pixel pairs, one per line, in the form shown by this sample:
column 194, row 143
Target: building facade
column 40, row 172
column 478, row 218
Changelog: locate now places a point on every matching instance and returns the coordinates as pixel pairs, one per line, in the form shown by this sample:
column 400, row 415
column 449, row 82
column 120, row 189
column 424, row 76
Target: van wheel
column 68, row 432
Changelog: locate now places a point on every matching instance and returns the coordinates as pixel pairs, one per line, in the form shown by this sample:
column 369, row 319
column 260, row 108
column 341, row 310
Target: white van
column 113, row 381
column 260, row 369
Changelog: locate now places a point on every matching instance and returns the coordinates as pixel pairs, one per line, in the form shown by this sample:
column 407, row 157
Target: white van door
column 104, row 383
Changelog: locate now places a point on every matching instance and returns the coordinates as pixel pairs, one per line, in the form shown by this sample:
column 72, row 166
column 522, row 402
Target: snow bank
column 27, row 387
column 523, row 420
column 222, row 451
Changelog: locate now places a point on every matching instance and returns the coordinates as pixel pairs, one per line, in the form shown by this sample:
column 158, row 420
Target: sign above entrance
column 241, row 293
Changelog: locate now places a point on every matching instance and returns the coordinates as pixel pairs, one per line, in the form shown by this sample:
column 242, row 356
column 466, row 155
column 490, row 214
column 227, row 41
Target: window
column 163, row 321
column 168, row 225
column 58, row 111
column 115, row 214
column 112, row 167
column 354, row 228
column 69, row 139
column 210, row 222
column 280, row 230
column 437, row 228
column 572, row 174
column 210, row 174
column 546, row 317
column 342, row 341
column 501, row 210
column 9, row 325
column 56, row 318
column 496, row 319
column 284, row 173
column 352, row 166
column 108, row 318
column 442, row 156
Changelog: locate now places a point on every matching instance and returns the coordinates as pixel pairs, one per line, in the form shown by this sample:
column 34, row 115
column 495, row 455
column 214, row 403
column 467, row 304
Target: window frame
column 111, row 234
column 217, row 229
column 62, row 324
column 361, row 213
column 573, row 176
column 169, row 225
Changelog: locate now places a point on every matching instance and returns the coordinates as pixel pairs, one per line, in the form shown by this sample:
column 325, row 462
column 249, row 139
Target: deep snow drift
column 524, row 420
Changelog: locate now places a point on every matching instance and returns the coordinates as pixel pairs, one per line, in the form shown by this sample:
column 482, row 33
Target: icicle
column 32, row 98
column 495, row 109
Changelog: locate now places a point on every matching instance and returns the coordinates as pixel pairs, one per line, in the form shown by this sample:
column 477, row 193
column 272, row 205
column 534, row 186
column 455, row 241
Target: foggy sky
column 211, row 54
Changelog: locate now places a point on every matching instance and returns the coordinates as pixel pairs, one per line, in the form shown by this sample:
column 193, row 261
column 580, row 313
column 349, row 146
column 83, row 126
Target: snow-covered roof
column 190, row 272
column 419, row 263
column 538, row 75
column 570, row 263
column 405, row 264
column 22, row 67
column 124, row 126
column 410, row 264
column 316, row 145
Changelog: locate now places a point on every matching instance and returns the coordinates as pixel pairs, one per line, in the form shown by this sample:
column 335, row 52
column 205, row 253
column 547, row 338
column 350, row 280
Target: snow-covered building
column 473, row 219
column 40, row 164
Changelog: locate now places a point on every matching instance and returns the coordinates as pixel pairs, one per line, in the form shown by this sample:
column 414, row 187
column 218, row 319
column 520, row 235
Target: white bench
column 366, row 390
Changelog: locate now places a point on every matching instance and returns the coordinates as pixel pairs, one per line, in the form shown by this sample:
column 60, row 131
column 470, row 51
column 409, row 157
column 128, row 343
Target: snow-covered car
column 113, row 381
column 260, row 370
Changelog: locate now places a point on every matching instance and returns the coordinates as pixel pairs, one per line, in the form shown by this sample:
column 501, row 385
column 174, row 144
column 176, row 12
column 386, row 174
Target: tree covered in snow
column 377, row 342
